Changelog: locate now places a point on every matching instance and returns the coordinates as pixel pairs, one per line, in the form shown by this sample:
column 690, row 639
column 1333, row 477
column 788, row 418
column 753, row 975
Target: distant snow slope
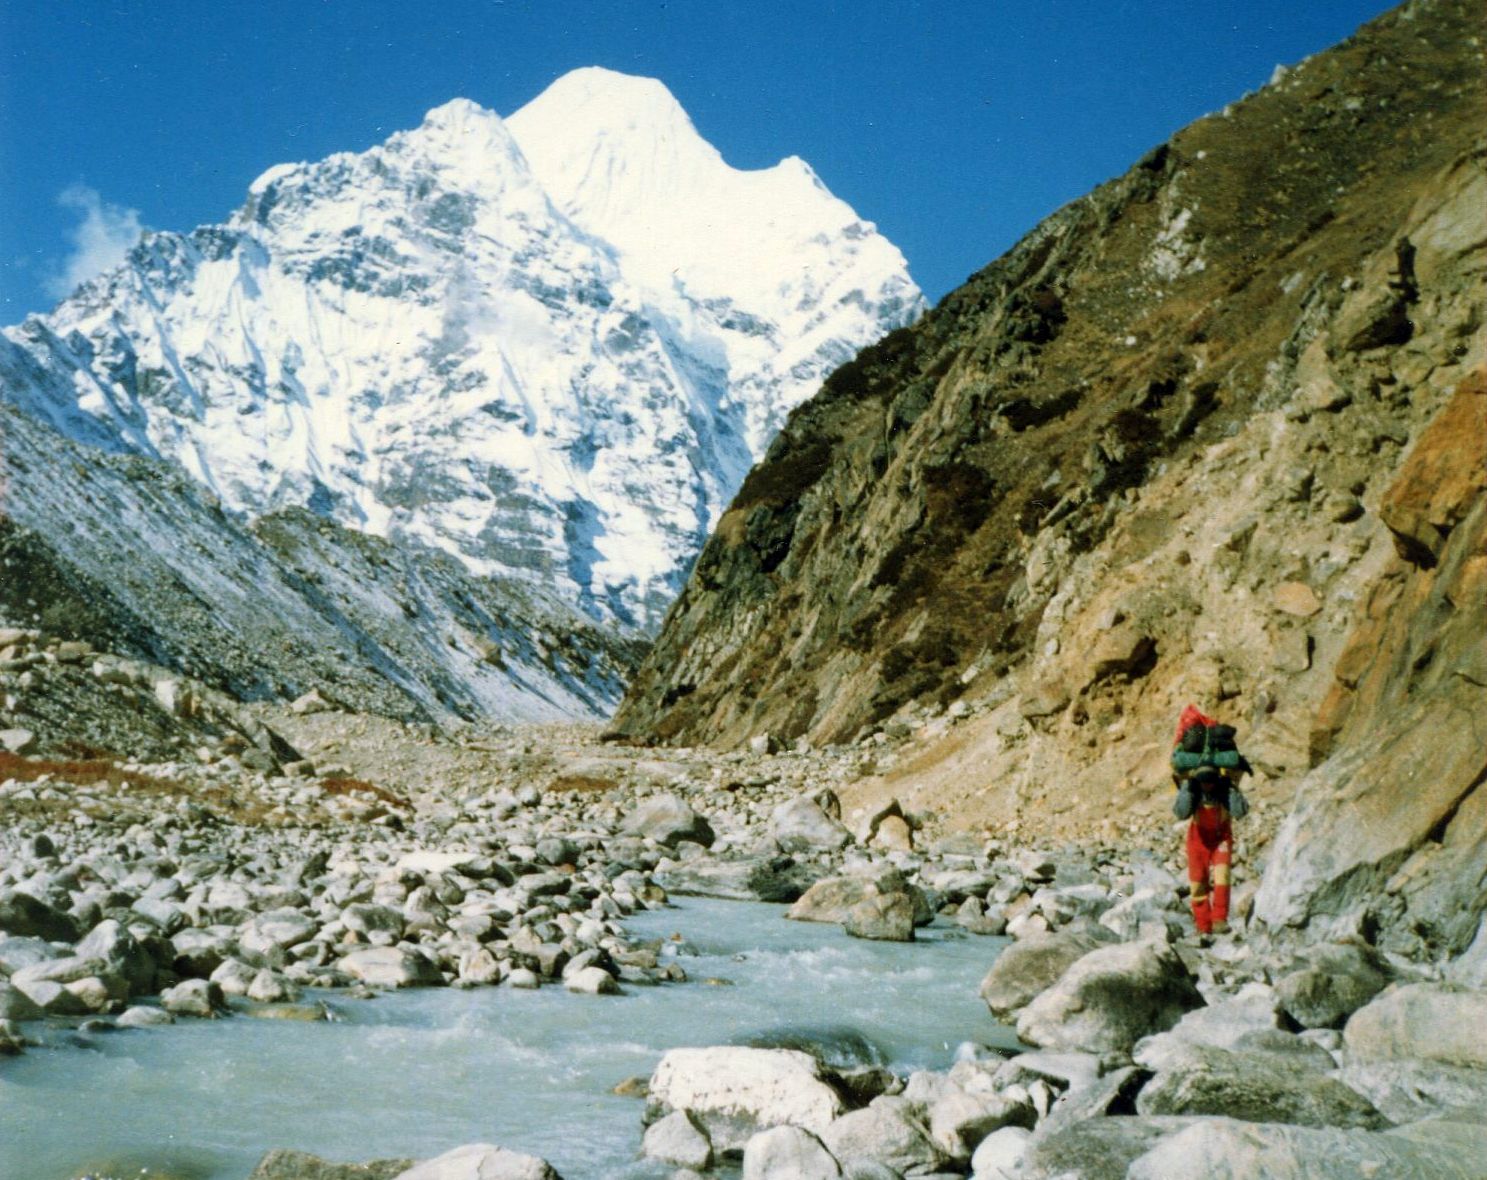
column 552, row 346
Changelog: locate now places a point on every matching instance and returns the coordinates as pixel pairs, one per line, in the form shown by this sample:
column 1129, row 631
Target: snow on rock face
column 551, row 345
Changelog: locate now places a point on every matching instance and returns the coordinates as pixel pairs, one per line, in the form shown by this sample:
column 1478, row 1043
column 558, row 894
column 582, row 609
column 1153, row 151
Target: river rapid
column 414, row 1073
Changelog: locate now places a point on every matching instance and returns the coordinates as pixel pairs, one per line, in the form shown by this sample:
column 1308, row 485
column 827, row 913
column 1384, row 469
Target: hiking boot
column 1221, row 927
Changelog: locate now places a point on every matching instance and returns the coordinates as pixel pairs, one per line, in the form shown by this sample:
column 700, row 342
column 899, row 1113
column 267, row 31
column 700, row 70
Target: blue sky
column 954, row 124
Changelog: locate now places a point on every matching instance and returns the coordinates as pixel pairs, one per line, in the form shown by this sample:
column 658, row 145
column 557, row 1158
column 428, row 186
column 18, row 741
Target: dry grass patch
column 357, row 786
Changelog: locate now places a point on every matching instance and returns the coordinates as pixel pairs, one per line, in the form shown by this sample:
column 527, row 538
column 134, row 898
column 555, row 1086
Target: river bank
column 389, row 857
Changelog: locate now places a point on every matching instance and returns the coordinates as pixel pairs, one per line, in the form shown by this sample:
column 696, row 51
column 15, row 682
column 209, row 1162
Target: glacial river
column 412, row 1074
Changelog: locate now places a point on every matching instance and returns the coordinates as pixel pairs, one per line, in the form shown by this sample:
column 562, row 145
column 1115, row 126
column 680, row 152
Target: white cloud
column 100, row 241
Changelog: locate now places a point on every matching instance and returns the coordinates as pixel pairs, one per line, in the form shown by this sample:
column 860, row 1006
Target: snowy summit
column 552, row 344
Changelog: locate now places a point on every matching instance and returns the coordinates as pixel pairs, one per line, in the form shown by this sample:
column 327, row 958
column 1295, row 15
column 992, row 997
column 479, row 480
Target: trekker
column 1206, row 768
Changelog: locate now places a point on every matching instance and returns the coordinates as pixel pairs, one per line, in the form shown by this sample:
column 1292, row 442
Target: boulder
column 22, row 914
column 481, row 1161
column 831, row 899
column 1227, row 1149
column 734, row 1091
column 17, row 952
column 1032, row 965
column 121, row 953
column 788, row 1153
column 18, row 741
column 1336, row 981
column 885, row 1131
column 800, row 825
column 958, row 1120
column 678, row 1140
column 17, row 1005
column 592, row 981
column 378, row 923
column 884, row 918
column 277, row 929
column 1434, row 1022
column 1000, row 1154
column 389, row 966
column 283, row 1164
column 668, row 820
column 1127, row 917
column 1255, row 1008
column 750, row 878
column 143, row 1017
column 1096, row 1149
column 1110, row 999
column 1093, row 1097
column 1254, row 1086
column 193, row 997
column 51, row 997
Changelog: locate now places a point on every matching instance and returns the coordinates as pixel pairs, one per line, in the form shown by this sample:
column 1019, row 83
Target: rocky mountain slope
column 131, row 555
column 1211, row 433
column 537, row 344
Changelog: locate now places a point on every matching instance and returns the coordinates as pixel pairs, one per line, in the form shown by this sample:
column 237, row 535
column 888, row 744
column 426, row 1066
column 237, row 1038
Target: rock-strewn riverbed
column 185, row 890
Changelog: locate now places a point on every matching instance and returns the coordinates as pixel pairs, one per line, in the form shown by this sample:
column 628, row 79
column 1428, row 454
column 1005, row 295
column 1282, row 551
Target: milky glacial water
column 414, row 1073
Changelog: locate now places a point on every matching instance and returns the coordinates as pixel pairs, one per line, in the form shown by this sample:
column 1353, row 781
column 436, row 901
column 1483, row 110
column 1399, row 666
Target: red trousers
column 1210, row 850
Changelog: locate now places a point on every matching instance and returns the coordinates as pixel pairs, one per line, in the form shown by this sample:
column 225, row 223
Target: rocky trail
column 302, row 857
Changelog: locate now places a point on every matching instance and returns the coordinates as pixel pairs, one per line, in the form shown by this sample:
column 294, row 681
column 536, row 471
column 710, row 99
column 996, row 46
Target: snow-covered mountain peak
column 621, row 158
column 552, row 344
column 593, row 101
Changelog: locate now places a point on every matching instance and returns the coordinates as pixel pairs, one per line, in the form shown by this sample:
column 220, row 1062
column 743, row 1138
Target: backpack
column 1203, row 745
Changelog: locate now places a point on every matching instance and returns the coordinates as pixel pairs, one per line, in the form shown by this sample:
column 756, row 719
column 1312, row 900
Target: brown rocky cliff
column 1134, row 461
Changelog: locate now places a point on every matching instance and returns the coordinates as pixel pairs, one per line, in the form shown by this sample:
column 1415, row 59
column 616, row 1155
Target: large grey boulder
column 121, row 953
column 277, row 930
column 1110, row 999
column 481, row 1161
column 1227, row 1149
column 788, row 1153
column 885, row 1131
column 958, row 1119
column 1096, row 1149
column 1435, row 1022
column 734, row 1091
column 22, row 914
column 677, row 1139
column 19, row 951
column 1254, row 1086
column 1335, row 982
column 668, row 820
column 884, row 918
column 17, row 1005
column 1032, row 965
column 748, row 878
column 389, row 966
column 831, row 899
column 193, row 997
column 376, row 923
column 1224, row 1024
column 800, row 825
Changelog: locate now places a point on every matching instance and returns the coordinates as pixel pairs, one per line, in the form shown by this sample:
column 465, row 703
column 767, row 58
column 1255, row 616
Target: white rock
column 481, row 1161
column 788, row 1153
column 677, row 1139
column 389, row 966
column 592, row 981
column 735, row 1090
column 999, row 1157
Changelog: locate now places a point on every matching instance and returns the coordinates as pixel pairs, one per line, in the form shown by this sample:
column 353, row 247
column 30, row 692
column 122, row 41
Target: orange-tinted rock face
column 1444, row 477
